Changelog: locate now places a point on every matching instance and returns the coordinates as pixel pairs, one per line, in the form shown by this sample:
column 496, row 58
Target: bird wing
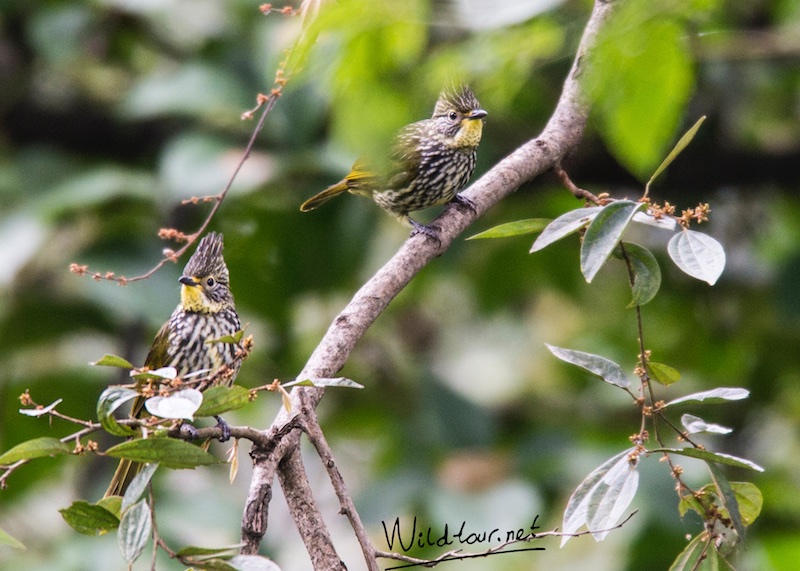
column 405, row 156
column 157, row 356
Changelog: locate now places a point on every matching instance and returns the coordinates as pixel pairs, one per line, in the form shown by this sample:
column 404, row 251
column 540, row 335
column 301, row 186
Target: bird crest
column 207, row 260
column 205, row 278
column 460, row 99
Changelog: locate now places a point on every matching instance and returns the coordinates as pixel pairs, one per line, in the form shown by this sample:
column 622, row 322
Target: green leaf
column 191, row 550
column 6, row 539
column 134, row 531
column 695, row 557
column 607, row 370
column 168, row 373
column 712, row 457
column 36, row 448
column 234, row 338
column 714, row 396
column 169, row 452
column 35, row 412
column 682, row 143
column 646, row 272
column 89, row 519
column 639, row 78
column 137, row 486
column 726, row 497
column 564, row 225
column 689, row 502
column 602, row 498
column 112, row 361
column 178, row 405
column 698, row 255
column 112, row 504
column 219, row 399
column 517, row 228
column 695, row 425
column 750, row 501
column 603, row 235
column 110, row 400
column 662, row 373
column 326, row 382
column 212, row 565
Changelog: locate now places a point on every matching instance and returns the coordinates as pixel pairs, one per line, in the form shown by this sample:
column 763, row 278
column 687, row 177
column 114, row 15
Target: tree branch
column 305, row 513
column 561, row 135
column 317, row 438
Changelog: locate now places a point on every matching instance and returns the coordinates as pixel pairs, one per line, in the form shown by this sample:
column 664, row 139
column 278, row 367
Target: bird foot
column 424, row 229
column 188, row 431
column 224, row 427
column 467, row 203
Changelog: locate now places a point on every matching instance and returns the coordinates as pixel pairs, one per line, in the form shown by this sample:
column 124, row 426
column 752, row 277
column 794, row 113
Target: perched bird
column 206, row 312
column 431, row 160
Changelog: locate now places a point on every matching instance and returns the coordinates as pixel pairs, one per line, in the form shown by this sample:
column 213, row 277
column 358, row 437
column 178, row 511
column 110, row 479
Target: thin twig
column 317, row 438
column 171, row 256
column 647, row 383
column 307, row 11
column 578, row 192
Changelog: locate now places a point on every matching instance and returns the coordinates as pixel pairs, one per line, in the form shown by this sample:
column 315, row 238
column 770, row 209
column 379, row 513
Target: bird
column 206, row 312
column 429, row 163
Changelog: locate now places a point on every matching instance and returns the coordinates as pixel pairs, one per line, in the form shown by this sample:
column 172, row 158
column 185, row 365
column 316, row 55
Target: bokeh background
column 114, row 111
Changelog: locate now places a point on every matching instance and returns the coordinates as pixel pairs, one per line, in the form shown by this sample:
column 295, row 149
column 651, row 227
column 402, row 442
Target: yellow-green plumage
column 206, row 311
column 431, row 160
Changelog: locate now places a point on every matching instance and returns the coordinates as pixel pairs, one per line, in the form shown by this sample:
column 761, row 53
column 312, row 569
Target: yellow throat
column 192, row 299
column 469, row 135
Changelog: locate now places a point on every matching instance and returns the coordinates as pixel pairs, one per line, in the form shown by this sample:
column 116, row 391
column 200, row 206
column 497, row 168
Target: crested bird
column 429, row 163
column 206, row 312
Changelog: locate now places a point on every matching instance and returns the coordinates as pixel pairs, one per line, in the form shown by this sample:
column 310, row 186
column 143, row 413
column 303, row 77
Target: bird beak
column 477, row 114
column 189, row 281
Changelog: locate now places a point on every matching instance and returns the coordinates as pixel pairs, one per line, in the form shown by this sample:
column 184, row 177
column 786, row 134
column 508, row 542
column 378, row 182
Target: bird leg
column 424, row 229
column 224, row 427
column 188, row 431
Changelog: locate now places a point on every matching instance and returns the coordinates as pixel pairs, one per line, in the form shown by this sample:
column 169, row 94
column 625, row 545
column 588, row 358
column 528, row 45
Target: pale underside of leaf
column 601, row 498
column 565, row 225
column 698, row 255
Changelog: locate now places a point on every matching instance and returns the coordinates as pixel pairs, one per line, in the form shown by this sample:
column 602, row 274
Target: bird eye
column 210, row 282
column 453, row 115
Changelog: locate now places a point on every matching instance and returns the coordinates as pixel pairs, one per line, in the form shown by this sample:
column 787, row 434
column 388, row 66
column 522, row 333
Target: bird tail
column 357, row 181
column 126, row 471
column 324, row 196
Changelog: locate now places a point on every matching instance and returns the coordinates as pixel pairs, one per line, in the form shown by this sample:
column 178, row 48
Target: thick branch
column 304, row 511
column 560, row 136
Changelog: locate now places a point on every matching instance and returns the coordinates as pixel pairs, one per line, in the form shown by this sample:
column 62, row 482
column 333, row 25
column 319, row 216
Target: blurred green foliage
column 112, row 112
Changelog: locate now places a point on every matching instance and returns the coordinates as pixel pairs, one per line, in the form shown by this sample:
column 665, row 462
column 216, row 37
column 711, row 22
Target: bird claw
column 188, row 431
column 424, row 229
column 224, row 427
column 467, row 203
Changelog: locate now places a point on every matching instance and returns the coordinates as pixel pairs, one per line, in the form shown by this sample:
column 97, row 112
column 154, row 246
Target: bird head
column 459, row 118
column 204, row 284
